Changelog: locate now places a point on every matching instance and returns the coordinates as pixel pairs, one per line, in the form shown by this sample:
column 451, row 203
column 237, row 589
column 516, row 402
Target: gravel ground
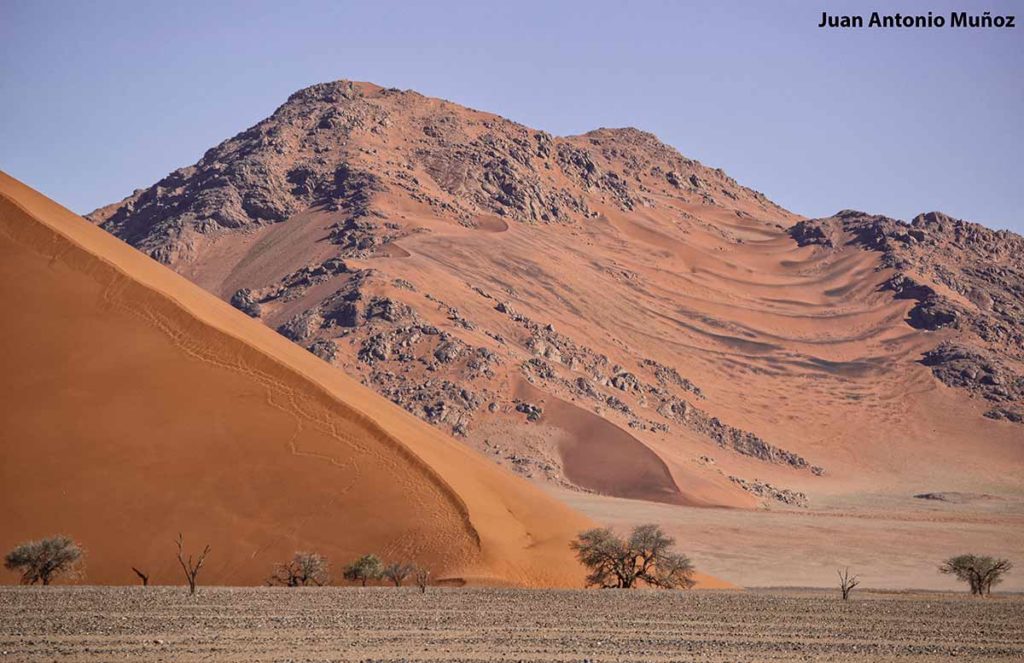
column 384, row 624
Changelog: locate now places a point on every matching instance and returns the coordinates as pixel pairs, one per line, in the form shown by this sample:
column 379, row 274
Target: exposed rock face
column 532, row 412
column 261, row 176
column 964, row 277
column 315, row 152
column 976, row 370
column 767, row 490
column 244, row 300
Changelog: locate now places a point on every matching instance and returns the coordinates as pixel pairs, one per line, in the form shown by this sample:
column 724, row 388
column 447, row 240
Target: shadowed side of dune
column 598, row 455
column 135, row 406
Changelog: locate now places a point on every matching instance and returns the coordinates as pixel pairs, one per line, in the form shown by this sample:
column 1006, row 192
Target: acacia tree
column 364, row 569
column 191, row 568
column 303, row 569
column 979, row 572
column 847, row 582
column 42, row 561
column 397, row 572
column 646, row 556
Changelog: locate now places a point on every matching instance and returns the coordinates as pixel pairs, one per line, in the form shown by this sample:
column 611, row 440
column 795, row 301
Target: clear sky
column 99, row 98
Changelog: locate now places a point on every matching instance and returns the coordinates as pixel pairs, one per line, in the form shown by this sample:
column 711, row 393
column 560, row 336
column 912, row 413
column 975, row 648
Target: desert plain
column 481, row 625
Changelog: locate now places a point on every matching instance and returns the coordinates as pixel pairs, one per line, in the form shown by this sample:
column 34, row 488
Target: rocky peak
column 335, row 146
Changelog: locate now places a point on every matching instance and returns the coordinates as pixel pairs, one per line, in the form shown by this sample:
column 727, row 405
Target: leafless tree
column 979, row 572
column 364, row 569
column 397, row 572
column 647, row 556
column 42, row 561
column 303, row 569
column 847, row 582
column 191, row 568
column 422, row 577
column 142, row 576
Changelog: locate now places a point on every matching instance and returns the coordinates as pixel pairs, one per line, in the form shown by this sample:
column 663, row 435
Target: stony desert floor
column 386, row 624
column 888, row 541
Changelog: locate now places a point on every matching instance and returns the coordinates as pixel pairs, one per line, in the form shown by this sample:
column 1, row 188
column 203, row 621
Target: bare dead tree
column 847, row 582
column 397, row 572
column 422, row 577
column 191, row 568
column 142, row 576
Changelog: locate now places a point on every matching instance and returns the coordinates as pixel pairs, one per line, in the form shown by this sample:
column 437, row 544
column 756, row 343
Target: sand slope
column 134, row 405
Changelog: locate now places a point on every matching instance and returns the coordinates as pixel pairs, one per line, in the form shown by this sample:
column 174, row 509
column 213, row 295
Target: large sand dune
column 134, row 406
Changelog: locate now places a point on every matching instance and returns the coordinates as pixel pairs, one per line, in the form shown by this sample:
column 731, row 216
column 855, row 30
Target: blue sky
column 100, row 98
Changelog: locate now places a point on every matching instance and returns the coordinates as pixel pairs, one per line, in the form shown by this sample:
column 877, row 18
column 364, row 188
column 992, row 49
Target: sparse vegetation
column 979, row 572
column 364, row 569
column 191, row 568
column 422, row 577
column 397, row 572
column 301, row 570
column 42, row 561
column 647, row 556
column 847, row 582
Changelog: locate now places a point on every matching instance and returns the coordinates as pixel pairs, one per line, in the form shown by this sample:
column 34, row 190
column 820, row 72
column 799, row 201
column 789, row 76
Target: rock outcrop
column 964, row 278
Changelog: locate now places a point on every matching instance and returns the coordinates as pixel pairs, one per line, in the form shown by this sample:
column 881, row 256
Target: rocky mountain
column 600, row 312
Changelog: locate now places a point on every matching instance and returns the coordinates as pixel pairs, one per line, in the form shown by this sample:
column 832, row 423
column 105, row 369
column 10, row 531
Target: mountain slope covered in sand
column 134, row 406
column 600, row 312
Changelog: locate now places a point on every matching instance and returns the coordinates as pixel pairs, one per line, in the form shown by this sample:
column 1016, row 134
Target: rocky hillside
column 961, row 276
column 597, row 311
column 335, row 146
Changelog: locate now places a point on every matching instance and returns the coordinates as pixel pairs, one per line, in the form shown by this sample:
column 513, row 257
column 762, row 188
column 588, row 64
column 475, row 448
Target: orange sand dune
column 136, row 406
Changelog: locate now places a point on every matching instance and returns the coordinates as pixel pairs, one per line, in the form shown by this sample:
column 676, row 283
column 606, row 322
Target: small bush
column 364, row 569
column 42, row 561
column 397, row 572
column 303, row 569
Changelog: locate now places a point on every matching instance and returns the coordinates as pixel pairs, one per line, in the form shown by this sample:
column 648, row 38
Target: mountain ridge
column 344, row 106
column 526, row 292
